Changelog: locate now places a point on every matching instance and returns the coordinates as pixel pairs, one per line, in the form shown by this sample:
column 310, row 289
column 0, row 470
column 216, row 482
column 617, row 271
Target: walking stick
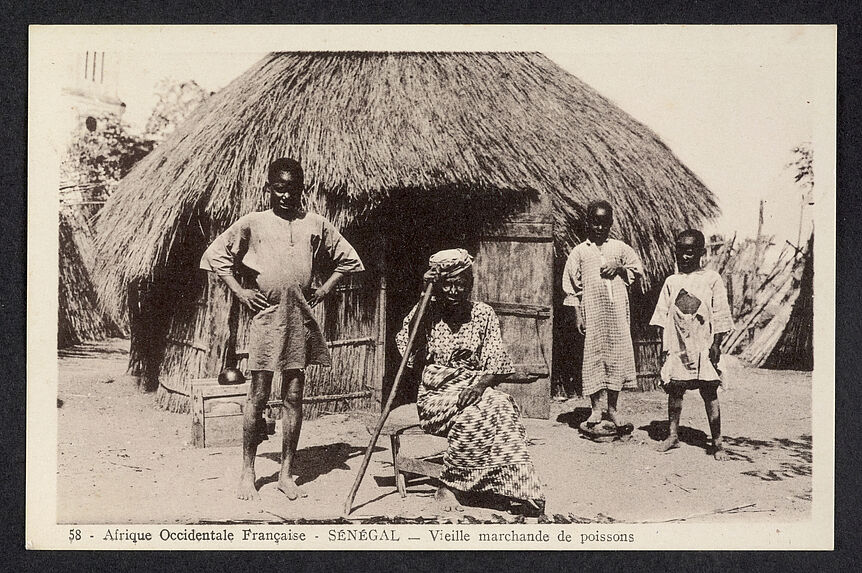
column 420, row 313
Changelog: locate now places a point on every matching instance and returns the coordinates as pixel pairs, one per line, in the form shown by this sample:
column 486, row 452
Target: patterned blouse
column 479, row 336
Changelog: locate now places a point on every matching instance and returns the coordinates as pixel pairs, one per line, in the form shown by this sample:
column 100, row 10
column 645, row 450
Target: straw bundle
column 80, row 319
column 777, row 331
column 795, row 348
column 786, row 341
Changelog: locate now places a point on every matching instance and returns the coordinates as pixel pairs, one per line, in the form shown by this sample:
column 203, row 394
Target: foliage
column 803, row 164
column 97, row 159
column 177, row 101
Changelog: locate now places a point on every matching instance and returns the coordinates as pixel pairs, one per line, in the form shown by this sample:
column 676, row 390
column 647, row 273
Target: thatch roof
column 366, row 124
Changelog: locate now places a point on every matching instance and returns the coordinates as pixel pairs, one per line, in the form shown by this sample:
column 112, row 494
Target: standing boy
column 279, row 249
column 694, row 315
column 596, row 280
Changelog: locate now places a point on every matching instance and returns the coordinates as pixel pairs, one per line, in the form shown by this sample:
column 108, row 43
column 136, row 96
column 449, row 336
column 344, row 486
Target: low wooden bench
column 404, row 421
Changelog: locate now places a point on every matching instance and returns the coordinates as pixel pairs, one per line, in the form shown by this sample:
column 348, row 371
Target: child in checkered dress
column 596, row 280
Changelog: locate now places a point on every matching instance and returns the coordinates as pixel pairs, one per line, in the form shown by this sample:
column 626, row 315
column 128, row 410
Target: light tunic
column 692, row 308
column 609, row 361
column 279, row 256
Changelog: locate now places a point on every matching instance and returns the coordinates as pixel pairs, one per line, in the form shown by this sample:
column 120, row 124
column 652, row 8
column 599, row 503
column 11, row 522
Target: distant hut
column 406, row 153
column 79, row 317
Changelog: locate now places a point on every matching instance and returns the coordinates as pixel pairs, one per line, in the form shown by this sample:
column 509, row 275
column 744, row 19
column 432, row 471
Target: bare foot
column 289, row 488
column 668, row 444
column 616, row 419
column 446, row 499
column 594, row 418
column 531, row 508
column 245, row 489
column 720, row 454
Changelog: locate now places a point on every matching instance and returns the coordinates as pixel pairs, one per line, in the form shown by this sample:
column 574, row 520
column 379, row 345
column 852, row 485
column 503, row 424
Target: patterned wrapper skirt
column 487, row 442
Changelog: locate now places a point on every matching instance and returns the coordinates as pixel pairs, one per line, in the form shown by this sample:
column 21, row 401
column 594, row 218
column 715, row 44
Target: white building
column 90, row 90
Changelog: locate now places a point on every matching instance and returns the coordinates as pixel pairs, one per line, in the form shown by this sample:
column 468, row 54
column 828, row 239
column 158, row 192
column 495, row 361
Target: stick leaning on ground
column 420, row 314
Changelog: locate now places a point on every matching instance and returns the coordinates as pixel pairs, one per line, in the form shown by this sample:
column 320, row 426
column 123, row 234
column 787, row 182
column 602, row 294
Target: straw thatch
column 364, row 124
column 737, row 262
column 79, row 317
column 795, row 347
column 373, row 131
column 776, row 331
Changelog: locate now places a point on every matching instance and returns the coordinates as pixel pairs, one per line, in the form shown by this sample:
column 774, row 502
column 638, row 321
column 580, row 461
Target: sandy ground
column 122, row 460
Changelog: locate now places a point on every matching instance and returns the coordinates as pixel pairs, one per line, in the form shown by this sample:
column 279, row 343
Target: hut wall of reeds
column 406, row 153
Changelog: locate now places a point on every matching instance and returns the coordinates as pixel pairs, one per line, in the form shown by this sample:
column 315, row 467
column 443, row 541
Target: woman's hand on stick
column 432, row 275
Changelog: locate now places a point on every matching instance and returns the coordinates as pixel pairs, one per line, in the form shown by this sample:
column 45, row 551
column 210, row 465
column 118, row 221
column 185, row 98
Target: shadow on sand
column 797, row 456
column 658, row 430
column 575, row 418
column 797, row 453
column 311, row 463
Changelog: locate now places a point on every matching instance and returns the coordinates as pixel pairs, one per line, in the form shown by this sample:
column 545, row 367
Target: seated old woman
column 461, row 355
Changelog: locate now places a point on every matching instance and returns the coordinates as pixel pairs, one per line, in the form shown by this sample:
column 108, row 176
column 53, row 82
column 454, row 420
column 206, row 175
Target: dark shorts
column 683, row 385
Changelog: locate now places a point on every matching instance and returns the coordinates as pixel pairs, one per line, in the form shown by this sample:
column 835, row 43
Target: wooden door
column 514, row 274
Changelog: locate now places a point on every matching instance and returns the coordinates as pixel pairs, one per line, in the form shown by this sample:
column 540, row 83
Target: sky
column 737, row 136
column 731, row 106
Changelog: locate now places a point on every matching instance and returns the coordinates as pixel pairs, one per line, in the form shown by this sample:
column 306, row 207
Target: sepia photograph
column 447, row 287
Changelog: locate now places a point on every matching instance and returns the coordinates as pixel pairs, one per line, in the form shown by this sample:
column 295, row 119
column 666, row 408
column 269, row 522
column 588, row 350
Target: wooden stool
column 217, row 413
column 404, row 421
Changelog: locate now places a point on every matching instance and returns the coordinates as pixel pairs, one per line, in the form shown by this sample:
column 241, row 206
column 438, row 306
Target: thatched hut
column 79, row 317
column 406, row 153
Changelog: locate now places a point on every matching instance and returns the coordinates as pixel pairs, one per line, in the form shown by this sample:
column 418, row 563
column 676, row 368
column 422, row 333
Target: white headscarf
column 451, row 262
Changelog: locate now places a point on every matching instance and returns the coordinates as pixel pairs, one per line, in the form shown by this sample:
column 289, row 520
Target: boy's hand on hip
column 662, row 358
column 252, row 299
